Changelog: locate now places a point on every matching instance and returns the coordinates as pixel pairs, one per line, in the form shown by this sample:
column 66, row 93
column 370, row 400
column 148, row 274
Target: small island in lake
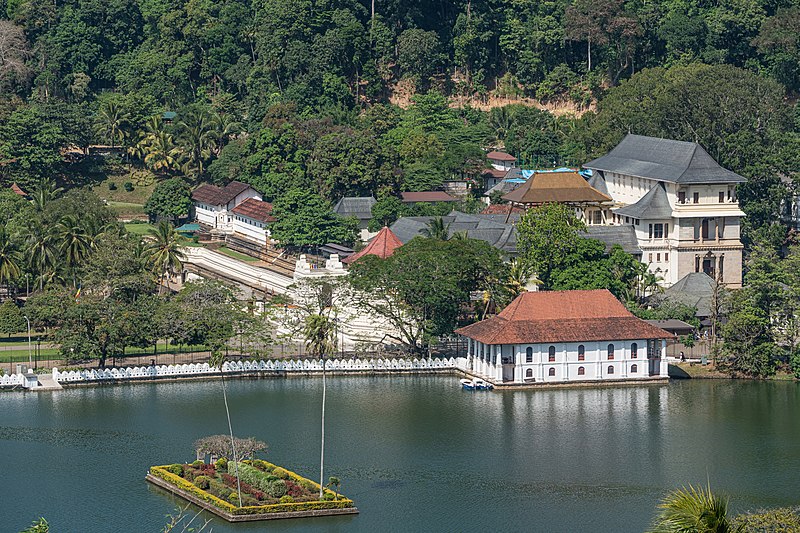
column 263, row 490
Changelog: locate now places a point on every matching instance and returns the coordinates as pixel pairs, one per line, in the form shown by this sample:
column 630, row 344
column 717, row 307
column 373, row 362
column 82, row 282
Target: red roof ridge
column 382, row 245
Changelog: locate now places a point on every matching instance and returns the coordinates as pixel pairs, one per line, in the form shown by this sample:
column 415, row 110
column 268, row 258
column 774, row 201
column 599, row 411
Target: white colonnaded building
column 565, row 336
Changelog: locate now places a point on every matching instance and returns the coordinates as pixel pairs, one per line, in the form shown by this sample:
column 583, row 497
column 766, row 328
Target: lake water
column 415, row 452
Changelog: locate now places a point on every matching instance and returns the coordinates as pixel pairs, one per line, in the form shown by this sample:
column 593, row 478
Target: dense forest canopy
column 301, row 94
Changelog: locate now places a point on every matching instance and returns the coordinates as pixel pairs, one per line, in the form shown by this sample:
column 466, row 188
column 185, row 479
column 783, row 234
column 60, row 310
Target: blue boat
column 475, row 384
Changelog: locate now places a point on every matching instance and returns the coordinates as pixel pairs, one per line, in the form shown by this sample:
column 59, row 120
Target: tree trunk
column 589, row 53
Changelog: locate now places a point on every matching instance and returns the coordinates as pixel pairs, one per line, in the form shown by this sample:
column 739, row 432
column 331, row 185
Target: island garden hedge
column 267, row 490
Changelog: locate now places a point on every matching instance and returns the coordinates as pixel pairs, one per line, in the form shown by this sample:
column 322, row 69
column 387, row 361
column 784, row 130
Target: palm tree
column 9, row 259
column 156, row 147
column 691, row 509
column 225, row 127
column 110, row 121
column 198, row 135
column 42, row 251
column 437, row 229
column 163, row 251
column 319, row 332
column 45, row 192
column 75, row 243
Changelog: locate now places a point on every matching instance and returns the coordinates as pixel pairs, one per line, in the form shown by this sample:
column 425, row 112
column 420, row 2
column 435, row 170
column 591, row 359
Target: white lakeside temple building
column 562, row 337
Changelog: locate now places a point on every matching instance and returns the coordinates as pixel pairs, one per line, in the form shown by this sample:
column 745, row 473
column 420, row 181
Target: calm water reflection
column 416, row 453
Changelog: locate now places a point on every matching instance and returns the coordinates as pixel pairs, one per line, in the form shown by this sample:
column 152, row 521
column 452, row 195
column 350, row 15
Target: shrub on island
column 263, row 492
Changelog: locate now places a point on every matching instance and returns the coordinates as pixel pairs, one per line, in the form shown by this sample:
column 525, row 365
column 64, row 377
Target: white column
column 664, row 366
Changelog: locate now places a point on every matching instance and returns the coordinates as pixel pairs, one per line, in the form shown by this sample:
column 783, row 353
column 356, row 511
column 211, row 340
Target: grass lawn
column 143, row 182
column 20, row 355
column 138, row 229
column 236, row 255
column 126, row 209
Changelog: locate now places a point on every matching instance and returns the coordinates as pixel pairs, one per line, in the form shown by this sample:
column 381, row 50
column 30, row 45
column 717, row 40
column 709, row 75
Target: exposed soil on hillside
column 403, row 91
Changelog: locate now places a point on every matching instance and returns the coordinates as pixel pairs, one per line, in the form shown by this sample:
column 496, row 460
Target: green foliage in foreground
column 699, row 510
column 693, row 510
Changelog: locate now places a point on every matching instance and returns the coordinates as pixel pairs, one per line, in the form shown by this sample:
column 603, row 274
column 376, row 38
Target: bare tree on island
column 217, row 359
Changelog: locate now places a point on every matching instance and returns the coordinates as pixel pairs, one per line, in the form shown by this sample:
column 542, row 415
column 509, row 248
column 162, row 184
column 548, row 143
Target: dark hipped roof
column 695, row 289
column 486, row 228
column 653, row 205
column 672, row 325
column 427, row 196
column 383, row 245
column 556, row 187
column 562, row 316
column 663, row 160
column 213, row 195
column 255, row 209
column 500, row 156
column 625, row 236
column 598, row 182
column 355, row 206
column 494, row 173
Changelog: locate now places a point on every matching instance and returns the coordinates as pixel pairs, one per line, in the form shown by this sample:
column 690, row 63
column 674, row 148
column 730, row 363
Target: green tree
column 197, row 134
column 386, row 210
column 303, row 218
column 163, row 252
column 171, row 199
column 11, row 319
column 421, row 288
column 110, row 122
column 437, row 229
column 74, row 243
column 10, row 259
column 419, row 54
column 547, row 235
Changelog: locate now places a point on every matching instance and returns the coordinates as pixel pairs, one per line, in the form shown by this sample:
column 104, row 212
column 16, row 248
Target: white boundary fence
column 12, row 379
column 239, row 367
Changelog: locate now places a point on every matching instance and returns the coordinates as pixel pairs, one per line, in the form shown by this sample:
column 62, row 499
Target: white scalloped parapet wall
column 292, row 365
column 12, row 379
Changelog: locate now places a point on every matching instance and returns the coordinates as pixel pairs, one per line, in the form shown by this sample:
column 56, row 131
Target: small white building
column 562, row 337
column 501, row 160
column 251, row 220
column 213, row 205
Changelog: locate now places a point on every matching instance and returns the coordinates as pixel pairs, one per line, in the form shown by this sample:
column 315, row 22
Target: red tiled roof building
column 382, row 245
column 565, row 336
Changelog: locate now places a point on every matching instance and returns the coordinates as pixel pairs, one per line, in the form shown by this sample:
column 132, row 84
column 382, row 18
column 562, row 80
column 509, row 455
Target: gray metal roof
column 663, row 160
column 480, row 227
column 625, row 236
column 653, row 205
column 598, row 182
column 504, row 186
column 355, row 206
column 695, row 289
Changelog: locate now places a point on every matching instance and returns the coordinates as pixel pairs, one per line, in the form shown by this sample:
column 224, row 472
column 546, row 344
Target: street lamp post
column 30, row 354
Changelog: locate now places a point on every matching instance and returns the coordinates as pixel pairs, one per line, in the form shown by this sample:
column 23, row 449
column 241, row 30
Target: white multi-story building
column 565, row 336
column 251, row 220
column 213, row 205
column 681, row 203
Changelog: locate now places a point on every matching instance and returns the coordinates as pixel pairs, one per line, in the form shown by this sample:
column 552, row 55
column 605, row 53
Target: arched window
column 529, row 355
column 610, row 352
column 551, row 354
column 581, row 353
column 551, row 372
column 634, row 369
column 634, row 351
column 581, row 371
column 529, row 373
column 610, row 369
